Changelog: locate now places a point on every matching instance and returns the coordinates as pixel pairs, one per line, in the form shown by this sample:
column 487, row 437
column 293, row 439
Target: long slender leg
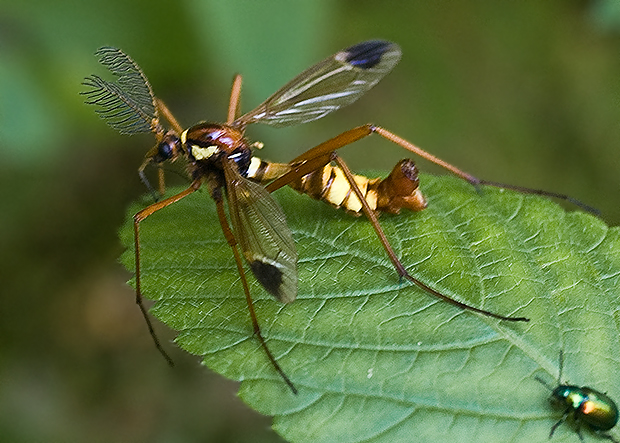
column 400, row 268
column 352, row 135
column 165, row 112
column 318, row 156
column 323, row 154
column 161, row 180
column 559, row 196
column 422, row 153
column 137, row 219
column 232, row 242
column 470, row 178
column 559, row 422
column 230, row 238
column 235, row 96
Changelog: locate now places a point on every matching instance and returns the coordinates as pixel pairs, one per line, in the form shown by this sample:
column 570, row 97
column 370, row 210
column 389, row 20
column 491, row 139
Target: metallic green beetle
column 597, row 410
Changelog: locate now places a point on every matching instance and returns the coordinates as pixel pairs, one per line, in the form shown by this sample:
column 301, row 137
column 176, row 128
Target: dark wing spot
column 268, row 275
column 365, row 55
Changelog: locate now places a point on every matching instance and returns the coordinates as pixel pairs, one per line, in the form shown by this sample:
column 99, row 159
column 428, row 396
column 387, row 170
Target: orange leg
column 165, row 112
column 400, row 268
column 137, row 219
column 232, row 242
column 324, row 149
column 235, row 97
column 324, row 153
column 473, row 180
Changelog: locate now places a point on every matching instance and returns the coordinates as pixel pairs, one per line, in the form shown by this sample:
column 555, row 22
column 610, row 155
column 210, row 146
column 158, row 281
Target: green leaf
column 374, row 358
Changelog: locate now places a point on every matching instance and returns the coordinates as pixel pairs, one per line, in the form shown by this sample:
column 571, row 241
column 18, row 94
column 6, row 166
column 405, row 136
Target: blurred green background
column 521, row 92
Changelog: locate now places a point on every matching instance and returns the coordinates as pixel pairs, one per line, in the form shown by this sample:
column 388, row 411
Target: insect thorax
column 208, row 144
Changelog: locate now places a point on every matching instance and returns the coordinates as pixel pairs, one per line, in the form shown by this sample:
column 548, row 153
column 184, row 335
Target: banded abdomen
column 398, row 190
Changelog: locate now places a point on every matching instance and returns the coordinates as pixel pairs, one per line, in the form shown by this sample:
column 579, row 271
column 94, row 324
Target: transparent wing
column 128, row 105
column 261, row 231
column 335, row 82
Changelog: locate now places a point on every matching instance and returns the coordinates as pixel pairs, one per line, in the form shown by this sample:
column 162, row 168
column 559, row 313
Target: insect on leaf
column 128, row 104
column 374, row 358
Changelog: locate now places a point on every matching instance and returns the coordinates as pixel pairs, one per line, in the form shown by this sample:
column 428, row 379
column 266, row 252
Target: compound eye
column 167, row 149
column 164, row 150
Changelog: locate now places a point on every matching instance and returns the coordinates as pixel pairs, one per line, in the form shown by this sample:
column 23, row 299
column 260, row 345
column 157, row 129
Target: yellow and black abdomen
column 329, row 184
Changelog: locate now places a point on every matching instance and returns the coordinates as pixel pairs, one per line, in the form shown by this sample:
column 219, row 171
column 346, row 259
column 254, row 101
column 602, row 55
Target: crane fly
column 219, row 156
